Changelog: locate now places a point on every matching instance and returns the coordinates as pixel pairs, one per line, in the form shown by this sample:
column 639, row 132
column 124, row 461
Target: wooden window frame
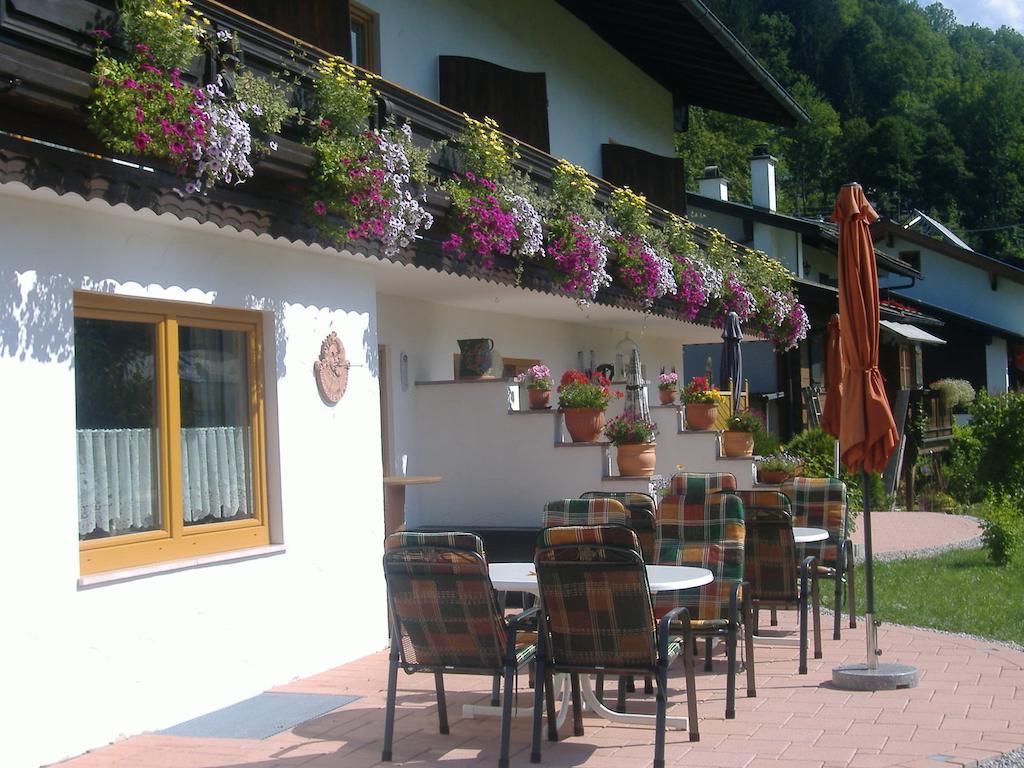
column 174, row 540
column 370, row 21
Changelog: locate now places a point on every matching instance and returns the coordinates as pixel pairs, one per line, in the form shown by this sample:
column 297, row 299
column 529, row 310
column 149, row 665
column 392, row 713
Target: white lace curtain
column 116, row 477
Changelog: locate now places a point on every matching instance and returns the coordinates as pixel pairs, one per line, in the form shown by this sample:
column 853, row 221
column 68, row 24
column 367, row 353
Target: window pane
column 216, row 468
column 118, row 447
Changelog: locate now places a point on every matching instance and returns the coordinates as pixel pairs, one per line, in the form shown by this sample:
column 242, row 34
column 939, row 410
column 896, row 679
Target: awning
column 910, row 332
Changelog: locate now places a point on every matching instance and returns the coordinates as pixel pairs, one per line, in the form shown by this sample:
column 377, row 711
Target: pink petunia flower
column 142, row 139
column 319, row 208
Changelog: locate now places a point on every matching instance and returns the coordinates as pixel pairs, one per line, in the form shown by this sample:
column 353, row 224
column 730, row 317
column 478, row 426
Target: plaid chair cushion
column 753, row 500
column 692, row 484
column 771, row 559
column 469, row 542
column 584, row 512
column 595, row 598
column 709, row 604
column 641, row 508
column 708, row 533
column 606, row 535
column 443, row 602
column 819, row 502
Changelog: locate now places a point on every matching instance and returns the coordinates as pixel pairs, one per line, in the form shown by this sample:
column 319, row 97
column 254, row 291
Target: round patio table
column 803, row 535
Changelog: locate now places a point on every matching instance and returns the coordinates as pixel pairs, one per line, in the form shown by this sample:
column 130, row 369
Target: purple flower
column 325, row 123
column 141, row 47
column 170, row 97
column 130, row 84
column 319, row 208
column 176, row 147
column 175, row 74
column 139, row 117
column 142, row 139
column 100, row 34
column 150, row 68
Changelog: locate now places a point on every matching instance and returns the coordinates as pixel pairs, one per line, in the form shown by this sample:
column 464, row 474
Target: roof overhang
column 909, row 332
column 683, row 46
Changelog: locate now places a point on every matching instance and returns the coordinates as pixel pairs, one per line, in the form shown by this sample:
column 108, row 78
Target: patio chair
column 696, row 484
column 590, row 511
column 445, row 619
column 593, row 510
column 596, row 617
column 820, row 502
column 641, row 508
column 772, row 568
column 707, row 531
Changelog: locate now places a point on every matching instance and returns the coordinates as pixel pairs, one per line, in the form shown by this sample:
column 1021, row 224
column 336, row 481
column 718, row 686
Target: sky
column 988, row 13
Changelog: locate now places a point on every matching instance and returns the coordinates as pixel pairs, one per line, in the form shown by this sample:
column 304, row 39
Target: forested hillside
column 925, row 112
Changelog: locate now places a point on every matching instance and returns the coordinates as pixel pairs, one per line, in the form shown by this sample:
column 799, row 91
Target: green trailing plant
column 954, row 393
column 344, row 96
column 270, row 98
column 628, row 430
column 780, row 462
column 171, row 30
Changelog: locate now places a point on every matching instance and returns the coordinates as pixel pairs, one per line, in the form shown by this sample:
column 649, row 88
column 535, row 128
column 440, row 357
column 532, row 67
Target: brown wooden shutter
column 517, row 100
column 661, row 179
column 323, row 23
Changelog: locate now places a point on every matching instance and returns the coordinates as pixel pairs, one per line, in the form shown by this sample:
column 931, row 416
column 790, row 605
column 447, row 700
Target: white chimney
column 762, row 178
column 713, row 184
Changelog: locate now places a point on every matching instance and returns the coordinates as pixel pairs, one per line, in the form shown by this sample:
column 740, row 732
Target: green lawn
column 959, row 591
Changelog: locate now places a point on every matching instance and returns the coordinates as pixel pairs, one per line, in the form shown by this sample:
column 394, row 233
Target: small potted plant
column 738, row 438
column 777, row 468
column 700, row 401
column 633, row 439
column 538, row 385
column 582, row 400
column 667, row 383
column 954, row 397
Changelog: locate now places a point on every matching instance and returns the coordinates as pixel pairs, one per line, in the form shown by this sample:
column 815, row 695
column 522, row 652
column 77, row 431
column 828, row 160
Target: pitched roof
column 886, row 228
column 683, row 45
column 815, row 231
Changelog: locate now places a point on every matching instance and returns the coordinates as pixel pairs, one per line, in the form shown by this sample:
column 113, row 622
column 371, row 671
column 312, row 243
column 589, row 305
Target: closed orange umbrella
column 867, row 433
column 834, row 379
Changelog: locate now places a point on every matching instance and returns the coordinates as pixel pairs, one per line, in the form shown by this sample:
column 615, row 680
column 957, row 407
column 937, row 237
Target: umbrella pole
column 871, row 629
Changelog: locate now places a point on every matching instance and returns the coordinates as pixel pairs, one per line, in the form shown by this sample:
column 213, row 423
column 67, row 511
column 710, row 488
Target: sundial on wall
column 331, row 370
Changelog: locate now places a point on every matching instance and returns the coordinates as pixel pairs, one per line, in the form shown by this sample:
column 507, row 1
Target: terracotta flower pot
column 539, row 398
column 668, row 396
column 772, row 476
column 701, row 415
column 635, row 459
column 584, row 424
column 735, row 444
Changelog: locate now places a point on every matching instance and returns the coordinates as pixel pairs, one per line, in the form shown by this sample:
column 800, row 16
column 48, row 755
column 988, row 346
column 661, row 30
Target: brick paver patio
column 969, row 706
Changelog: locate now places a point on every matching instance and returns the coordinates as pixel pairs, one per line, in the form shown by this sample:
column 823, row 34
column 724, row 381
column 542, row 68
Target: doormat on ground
column 259, row 717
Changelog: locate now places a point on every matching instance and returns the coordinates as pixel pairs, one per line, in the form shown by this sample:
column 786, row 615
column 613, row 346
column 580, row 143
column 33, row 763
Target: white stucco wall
column 963, row 289
column 147, row 653
column 594, row 93
column 428, row 332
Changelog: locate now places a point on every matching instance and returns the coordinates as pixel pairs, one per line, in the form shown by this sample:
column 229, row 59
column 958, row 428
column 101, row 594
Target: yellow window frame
column 174, row 540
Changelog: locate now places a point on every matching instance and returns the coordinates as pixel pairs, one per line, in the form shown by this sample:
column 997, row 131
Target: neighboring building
column 229, row 527
column 979, row 299
column 809, row 249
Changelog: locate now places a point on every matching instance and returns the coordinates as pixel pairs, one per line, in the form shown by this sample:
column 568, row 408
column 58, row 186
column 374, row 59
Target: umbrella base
column 886, row 677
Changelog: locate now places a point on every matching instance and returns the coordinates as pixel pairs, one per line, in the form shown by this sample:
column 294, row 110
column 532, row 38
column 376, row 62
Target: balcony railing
column 46, row 54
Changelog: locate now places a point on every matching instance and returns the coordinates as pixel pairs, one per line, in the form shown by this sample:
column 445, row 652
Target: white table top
column 806, row 535
column 521, row 577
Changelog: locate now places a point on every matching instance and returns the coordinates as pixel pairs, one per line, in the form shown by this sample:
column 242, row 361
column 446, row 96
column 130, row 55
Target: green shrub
column 1002, row 524
column 988, row 455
